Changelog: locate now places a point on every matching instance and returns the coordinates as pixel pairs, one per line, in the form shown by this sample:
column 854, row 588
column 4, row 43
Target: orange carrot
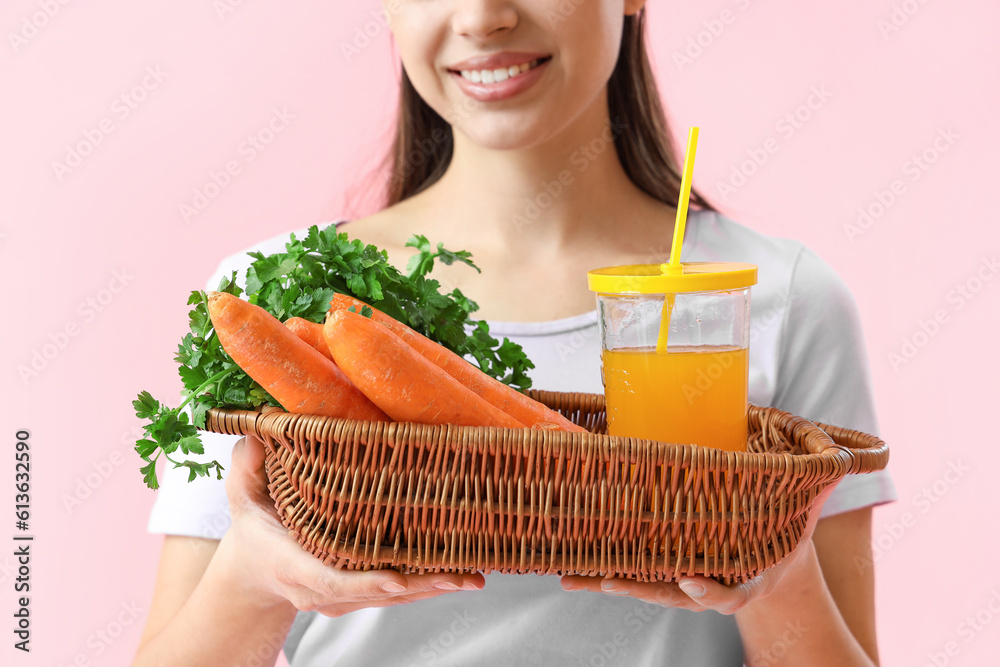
column 402, row 382
column 295, row 374
column 310, row 332
column 506, row 398
column 546, row 426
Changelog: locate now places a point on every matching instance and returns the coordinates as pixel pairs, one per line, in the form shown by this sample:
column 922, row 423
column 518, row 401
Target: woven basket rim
column 870, row 456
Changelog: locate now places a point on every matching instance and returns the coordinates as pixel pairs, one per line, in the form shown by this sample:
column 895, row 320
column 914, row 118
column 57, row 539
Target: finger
column 335, row 584
column 576, row 582
column 360, row 586
column 247, row 479
column 339, row 609
column 710, row 594
column 663, row 593
column 421, row 586
column 374, row 588
column 248, row 454
column 453, row 581
column 397, row 584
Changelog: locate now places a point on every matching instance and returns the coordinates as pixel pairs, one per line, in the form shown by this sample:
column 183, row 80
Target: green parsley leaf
column 149, row 475
column 145, row 406
column 422, row 263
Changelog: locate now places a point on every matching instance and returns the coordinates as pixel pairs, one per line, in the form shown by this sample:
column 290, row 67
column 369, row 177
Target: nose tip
column 484, row 19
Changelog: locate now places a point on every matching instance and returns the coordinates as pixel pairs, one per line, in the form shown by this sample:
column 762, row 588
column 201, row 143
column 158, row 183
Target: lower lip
column 494, row 92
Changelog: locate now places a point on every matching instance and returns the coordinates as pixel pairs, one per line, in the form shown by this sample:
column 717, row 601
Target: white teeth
column 497, row 75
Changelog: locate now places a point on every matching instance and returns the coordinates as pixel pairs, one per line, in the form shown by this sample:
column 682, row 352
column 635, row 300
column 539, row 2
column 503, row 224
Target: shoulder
column 720, row 236
column 787, row 269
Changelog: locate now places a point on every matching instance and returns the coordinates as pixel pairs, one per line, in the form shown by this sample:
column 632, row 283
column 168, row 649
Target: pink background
column 888, row 96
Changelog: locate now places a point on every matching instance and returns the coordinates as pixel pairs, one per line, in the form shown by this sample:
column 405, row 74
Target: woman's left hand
column 699, row 593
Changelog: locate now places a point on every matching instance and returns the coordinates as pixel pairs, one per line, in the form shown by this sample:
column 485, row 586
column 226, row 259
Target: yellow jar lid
column 656, row 279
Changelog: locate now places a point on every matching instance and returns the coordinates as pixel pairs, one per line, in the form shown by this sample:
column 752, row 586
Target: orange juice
column 684, row 395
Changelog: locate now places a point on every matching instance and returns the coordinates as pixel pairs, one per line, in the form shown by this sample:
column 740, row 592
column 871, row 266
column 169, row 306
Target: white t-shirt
column 807, row 356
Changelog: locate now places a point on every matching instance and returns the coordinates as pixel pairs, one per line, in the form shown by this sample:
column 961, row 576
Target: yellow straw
column 674, row 266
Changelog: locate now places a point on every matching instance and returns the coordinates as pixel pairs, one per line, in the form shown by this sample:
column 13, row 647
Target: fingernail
column 692, row 589
column 392, row 587
column 445, row 586
column 612, row 587
column 471, row 586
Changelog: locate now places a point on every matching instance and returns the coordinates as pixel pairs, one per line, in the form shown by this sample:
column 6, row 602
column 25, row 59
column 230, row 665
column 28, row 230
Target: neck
column 552, row 196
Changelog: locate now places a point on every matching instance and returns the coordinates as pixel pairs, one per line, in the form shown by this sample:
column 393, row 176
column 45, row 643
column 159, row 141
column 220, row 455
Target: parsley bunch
column 300, row 283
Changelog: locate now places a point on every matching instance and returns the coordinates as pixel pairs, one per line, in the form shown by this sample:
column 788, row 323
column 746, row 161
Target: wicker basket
column 419, row 498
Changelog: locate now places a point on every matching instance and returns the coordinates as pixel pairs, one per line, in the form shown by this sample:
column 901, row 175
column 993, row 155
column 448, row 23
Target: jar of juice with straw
column 675, row 341
column 675, row 351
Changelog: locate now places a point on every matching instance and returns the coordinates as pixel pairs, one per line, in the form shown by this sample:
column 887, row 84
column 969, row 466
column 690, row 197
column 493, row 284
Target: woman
column 504, row 102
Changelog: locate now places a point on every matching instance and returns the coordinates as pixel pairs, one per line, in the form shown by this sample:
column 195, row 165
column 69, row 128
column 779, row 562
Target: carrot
column 546, row 426
column 310, row 332
column 295, row 374
column 506, row 398
column 401, row 381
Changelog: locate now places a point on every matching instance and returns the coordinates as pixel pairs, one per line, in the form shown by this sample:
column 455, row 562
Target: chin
column 504, row 136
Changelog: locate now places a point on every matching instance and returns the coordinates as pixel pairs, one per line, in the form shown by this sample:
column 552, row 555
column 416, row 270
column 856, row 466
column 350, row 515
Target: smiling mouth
column 500, row 74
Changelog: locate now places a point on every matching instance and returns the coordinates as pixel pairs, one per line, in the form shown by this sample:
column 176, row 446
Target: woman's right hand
column 266, row 562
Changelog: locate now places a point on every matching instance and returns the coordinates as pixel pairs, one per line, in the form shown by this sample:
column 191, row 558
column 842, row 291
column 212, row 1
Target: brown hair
column 422, row 148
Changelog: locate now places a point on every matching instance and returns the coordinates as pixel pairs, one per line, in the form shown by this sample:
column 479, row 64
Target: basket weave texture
column 421, row 498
